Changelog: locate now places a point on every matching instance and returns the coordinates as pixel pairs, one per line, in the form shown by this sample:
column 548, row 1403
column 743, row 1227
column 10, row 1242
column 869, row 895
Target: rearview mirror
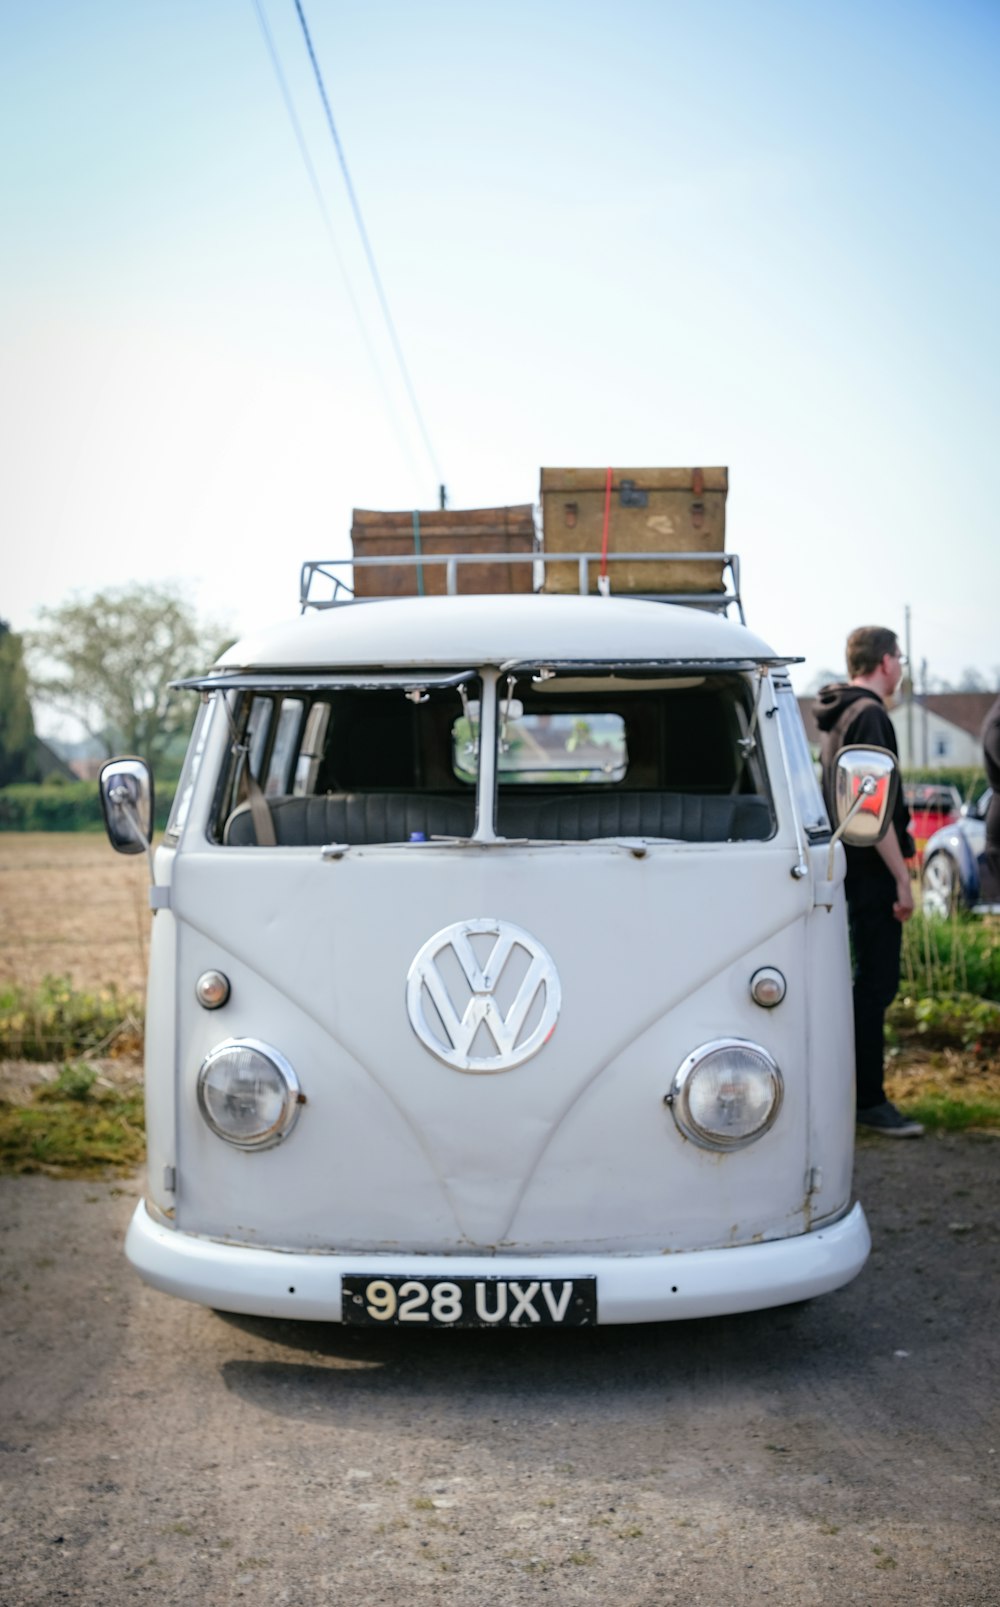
column 126, row 788
column 866, row 782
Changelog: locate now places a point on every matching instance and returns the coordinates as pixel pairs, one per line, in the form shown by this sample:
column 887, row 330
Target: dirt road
column 844, row 1451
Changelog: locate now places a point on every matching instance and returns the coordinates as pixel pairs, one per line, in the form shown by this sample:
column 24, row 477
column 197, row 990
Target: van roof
column 411, row 632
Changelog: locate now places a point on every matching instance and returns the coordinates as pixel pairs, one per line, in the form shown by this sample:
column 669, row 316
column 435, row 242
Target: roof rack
column 327, row 582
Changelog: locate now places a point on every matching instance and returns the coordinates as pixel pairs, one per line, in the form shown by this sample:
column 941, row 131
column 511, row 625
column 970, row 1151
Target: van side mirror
column 865, row 785
column 126, row 788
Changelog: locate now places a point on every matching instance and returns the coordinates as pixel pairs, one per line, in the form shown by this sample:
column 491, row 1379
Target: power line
column 398, row 431
column 359, row 220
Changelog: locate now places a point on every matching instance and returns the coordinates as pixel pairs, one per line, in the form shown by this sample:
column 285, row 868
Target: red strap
column 607, row 521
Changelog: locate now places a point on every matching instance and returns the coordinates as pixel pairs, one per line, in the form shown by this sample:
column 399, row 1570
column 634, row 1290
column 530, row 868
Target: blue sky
column 758, row 234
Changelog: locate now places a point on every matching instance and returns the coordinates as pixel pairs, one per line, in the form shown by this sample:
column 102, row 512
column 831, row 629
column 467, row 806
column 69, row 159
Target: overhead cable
column 398, row 430
column 359, row 220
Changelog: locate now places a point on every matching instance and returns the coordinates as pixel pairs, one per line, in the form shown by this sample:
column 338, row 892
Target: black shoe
column 889, row 1121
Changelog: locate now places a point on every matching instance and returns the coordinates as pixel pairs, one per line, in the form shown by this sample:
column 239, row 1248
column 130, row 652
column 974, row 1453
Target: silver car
column 951, row 876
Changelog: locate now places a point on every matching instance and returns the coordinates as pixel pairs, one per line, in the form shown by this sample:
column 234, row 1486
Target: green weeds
column 55, row 1021
column 74, row 1127
column 946, row 1021
column 957, row 956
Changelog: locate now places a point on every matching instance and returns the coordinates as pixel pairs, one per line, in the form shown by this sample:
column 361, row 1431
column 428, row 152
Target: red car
column 932, row 804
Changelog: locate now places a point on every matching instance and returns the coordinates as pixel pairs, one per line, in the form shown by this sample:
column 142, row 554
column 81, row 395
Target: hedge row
column 66, row 806
column 969, row 779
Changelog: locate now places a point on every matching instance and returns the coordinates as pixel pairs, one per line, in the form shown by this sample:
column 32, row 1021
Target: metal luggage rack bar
column 320, row 572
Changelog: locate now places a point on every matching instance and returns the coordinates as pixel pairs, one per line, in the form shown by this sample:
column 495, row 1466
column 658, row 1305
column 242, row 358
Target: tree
column 973, row 681
column 17, row 727
column 823, row 678
column 108, row 661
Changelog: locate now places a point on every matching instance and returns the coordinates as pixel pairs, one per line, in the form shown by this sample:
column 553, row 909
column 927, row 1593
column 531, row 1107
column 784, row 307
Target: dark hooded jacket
column 991, row 746
column 847, row 715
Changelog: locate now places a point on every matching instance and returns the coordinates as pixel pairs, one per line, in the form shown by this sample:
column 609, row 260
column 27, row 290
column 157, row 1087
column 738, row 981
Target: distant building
column 946, row 728
column 86, row 769
column 49, row 764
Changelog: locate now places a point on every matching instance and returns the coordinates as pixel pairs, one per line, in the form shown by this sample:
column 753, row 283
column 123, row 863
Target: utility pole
column 923, row 683
column 909, row 689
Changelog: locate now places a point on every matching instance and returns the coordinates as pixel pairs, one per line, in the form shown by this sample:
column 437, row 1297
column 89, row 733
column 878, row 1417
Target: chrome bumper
column 630, row 1288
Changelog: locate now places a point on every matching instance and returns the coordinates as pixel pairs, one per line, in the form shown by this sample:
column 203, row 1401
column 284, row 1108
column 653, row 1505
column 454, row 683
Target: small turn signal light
column 212, row 989
column 767, row 987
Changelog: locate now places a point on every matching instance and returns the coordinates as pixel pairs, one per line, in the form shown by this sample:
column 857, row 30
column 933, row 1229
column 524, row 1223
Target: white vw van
column 499, row 972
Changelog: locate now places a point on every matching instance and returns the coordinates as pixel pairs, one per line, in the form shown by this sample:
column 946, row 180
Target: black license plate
column 377, row 1301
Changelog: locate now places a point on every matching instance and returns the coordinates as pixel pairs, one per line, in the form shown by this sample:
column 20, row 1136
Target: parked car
column 951, row 871
column 932, row 804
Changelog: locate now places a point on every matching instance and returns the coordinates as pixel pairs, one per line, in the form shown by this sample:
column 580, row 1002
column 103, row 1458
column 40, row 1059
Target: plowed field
column 70, row 906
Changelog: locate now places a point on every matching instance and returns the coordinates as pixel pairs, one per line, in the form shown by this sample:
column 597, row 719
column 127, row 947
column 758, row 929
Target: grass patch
column 950, row 1090
column 74, row 1128
column 55, row 1021
column 947, row 1114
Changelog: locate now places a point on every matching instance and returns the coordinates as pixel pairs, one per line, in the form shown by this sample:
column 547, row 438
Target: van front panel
column 573, row 1147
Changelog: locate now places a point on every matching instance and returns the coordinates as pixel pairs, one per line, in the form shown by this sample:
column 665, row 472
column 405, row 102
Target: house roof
column 967, row 710
column 48, row 762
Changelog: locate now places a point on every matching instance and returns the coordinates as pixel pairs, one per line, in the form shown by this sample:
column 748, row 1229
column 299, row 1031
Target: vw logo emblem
column 483, row 995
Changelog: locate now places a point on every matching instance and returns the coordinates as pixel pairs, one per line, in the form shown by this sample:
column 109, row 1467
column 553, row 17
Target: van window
column 311, row 752
column 660, row 759
column 284, row 749
column 578, row 758
column 189, row 774
column 555, row 748
column 258, row 730
column 802, row 772
column 353, row 765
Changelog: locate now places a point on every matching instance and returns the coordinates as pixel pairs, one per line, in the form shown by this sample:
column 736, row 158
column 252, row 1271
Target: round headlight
column 248, row 1093
column 726, row 1094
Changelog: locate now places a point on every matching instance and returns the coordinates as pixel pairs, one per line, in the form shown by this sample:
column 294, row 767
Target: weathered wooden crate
column 442, row 532
column 651, row 510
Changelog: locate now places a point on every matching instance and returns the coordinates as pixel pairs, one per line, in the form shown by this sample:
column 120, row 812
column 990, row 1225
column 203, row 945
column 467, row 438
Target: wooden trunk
column 442, row 531
column 651, row 510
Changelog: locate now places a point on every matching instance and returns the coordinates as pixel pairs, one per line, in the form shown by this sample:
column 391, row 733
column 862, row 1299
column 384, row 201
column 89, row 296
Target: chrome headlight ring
column 726, row 1094
column 248, row 1093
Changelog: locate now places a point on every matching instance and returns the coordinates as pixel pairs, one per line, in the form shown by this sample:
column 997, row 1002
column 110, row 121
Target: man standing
column 989, row 888
column 879, row 898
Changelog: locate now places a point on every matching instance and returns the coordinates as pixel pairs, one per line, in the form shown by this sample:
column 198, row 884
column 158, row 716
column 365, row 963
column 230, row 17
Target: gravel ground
column 843, row 1451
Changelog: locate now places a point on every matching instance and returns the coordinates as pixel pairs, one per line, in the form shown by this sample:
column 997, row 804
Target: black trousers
column 989, row 864
column 876, row 939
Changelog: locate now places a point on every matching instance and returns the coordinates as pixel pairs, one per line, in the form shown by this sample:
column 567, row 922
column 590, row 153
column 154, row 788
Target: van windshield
column 622, row 757
column 573, row 758
column 349, row 764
